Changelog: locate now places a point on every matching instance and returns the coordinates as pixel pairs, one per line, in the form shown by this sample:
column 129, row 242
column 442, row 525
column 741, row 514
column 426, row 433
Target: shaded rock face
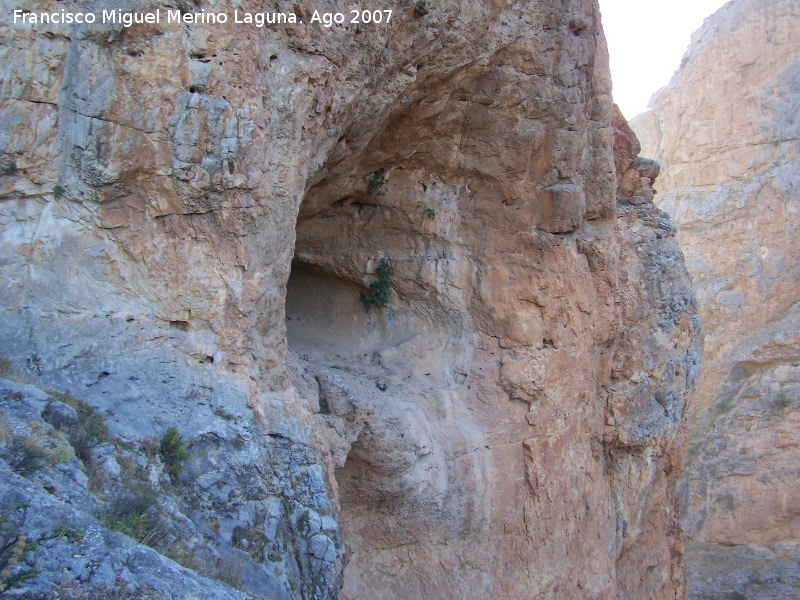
column 417, row 337
column 726, row 134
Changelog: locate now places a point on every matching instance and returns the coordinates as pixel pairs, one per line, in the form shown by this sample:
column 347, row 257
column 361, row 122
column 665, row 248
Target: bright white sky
column 646, row 41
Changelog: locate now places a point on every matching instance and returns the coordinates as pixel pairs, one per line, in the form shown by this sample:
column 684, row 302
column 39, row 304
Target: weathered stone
column 59, row 415
column 193, row 246
column 726, row 134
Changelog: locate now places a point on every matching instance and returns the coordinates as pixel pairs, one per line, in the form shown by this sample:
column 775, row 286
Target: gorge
column 726, row 134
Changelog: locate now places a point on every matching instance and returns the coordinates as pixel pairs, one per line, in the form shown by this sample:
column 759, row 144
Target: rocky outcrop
column 726, row 134
column 377, row 280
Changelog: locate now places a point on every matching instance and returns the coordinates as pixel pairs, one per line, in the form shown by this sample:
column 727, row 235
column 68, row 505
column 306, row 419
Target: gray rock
column 59, row 415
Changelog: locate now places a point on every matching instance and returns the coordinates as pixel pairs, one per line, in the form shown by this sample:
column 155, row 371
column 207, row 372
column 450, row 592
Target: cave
column 380, row 378
column 326, row 315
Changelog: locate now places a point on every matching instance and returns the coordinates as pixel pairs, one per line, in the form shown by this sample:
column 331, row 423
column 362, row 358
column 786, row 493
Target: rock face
column 377, row 280
column 726, row 133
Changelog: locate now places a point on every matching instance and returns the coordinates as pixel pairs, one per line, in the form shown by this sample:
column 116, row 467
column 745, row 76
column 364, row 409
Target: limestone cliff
column 726, row 134
column 376, row 278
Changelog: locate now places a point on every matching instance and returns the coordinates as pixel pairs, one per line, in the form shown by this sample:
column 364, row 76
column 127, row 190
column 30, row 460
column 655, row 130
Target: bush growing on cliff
column 380, row 290
column 135, row 514
column 375, row 183
column 26, row 455
column 173, row 452
column 88, row 432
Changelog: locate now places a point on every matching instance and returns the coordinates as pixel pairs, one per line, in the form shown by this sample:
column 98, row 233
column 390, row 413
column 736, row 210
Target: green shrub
column 64, row 530
column 375, row 183
column 782, row 400
column 380, row 290
column 173, row 452
column 133, row 524
column 88, row 432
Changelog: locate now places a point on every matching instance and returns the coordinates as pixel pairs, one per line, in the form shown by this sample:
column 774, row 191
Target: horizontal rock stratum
column 397, row 287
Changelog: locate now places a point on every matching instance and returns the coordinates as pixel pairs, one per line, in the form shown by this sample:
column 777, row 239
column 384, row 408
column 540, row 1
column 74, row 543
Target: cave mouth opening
column 326, row 316
column 381, row 378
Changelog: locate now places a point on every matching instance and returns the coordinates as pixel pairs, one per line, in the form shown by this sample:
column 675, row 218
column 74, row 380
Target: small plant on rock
column 34, row 450
column 722, row 407
column 14, row 546
column 87, row 433
column 375, row 183
column 380, row 290
column 135, row 514
column 8, row 165
column 26, row 455
column 6, row 368
column 173, row 452
column 783, row 400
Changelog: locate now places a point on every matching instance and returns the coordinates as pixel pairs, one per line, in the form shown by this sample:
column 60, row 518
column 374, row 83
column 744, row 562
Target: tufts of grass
column 26, row 455
column 36, row 449
column 136, row 514
column 782, row 400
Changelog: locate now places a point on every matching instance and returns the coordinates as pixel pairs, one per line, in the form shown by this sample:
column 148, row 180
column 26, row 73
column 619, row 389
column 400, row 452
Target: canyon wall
column 726, row 133
column 398, row 288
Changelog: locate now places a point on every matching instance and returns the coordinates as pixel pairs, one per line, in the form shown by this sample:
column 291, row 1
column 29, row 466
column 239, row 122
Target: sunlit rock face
column 400, row 288
column 726, row 133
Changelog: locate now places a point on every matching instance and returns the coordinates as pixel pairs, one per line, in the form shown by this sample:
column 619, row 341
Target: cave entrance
column 326, row 316
column 382, row 378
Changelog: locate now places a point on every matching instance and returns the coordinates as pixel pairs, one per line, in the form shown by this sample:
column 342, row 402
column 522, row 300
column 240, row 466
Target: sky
column 646, row 41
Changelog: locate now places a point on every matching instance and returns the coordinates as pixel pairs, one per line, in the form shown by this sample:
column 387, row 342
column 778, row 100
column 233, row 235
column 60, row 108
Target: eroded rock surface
column 726, row 134
column 193, row 221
